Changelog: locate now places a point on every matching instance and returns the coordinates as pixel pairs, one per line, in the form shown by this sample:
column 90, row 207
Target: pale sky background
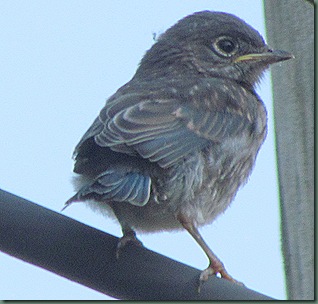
column 59, row 61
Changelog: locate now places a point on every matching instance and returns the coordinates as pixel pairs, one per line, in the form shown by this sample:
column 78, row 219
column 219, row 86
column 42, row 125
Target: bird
column 171, row 148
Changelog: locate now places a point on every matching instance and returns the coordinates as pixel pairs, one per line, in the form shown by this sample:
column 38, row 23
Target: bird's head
column 212, row 44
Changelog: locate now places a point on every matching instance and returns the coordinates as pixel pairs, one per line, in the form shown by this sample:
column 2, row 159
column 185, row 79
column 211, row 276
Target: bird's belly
column 199, row 188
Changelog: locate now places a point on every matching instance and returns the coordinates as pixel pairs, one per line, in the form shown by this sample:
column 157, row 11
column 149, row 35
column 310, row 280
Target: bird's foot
column 129, row 236
column 216, row 266
column 214, row 269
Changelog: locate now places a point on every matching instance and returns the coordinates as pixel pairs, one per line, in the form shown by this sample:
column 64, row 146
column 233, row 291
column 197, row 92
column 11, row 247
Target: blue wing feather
column 114, row 186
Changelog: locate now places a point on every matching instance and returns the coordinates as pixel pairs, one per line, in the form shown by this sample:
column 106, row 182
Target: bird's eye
column 225, row 46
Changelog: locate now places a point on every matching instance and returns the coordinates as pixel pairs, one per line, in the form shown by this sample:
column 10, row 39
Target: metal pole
column 290, row 25
column 87, row 256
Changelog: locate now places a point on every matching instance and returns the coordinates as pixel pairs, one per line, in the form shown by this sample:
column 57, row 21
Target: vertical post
column 290, row 26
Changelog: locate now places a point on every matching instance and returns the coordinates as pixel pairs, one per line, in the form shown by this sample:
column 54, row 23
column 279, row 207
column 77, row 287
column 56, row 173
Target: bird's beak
column 267, row 57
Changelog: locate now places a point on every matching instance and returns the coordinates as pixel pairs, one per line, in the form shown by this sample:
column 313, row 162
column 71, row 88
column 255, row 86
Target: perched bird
column 171, row 148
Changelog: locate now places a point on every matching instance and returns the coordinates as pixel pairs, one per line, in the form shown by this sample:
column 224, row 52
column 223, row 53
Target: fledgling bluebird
column 171, row 148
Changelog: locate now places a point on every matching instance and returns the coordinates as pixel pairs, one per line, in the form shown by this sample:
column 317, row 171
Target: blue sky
column 59, row 62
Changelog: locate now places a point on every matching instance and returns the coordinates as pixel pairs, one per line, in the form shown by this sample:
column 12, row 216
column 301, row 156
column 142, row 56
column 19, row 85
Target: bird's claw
column 126, row 238
column 204, row 276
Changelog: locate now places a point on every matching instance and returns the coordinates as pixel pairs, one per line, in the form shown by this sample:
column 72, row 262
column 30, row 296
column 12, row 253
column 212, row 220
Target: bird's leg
column 216, row 266
column 129, row 235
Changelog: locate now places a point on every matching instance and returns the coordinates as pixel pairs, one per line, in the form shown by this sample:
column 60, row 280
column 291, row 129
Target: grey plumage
column 171, row 148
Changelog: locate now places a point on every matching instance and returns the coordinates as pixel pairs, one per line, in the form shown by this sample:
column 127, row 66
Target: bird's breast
column 204, row 184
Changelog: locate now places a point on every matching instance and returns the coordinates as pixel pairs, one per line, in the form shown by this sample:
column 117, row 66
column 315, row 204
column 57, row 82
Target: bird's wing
column 131, row 187
column 162, row 130
column 165, row 130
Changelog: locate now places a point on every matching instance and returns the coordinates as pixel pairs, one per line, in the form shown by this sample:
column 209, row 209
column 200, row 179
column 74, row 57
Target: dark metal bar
column 85, row 255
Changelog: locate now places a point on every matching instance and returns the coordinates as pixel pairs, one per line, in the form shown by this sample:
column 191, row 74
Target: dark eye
column 225, row 46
